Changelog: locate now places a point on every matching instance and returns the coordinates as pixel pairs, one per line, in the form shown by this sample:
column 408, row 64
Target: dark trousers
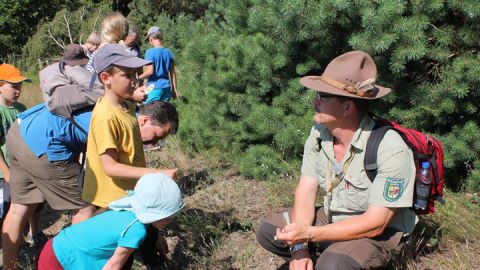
column 364, row 253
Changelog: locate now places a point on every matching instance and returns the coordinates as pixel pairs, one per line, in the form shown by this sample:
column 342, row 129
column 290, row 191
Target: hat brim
column 18, row 79
column 78, row 62
column 315, row 83
column 150, row 216
column 132, row 62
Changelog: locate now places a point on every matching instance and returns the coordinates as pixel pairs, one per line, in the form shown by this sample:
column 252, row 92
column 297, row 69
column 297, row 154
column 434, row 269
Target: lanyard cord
column 332, row 184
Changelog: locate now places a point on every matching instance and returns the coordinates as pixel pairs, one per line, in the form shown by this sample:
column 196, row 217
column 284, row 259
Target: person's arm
column 173, row 79
column 4, row 167
column 147, row 72
column 113, row 168
column 370, row 224
column 303, row 211
column 118, row 259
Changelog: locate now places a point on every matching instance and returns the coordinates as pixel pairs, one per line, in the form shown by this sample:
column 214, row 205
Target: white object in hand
column 287, row 221
column 149, row 88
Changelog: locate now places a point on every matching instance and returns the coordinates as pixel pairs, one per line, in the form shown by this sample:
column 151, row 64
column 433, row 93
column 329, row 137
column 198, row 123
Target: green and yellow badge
column 393, row 189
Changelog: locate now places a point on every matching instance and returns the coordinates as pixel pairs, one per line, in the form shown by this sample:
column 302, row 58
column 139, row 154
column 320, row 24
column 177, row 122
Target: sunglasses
column 323, row 96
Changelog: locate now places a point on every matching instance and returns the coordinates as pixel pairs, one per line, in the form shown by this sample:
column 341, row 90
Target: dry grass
column 31, row 94
column 223, row 209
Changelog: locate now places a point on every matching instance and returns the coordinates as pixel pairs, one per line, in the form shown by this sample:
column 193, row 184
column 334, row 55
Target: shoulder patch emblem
column 393, row 189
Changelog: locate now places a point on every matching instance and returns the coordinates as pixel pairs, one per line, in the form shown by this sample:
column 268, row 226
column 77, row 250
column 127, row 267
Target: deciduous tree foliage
column 18, row 20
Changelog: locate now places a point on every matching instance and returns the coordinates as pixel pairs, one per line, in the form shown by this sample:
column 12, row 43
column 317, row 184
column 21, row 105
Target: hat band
column 361, row 89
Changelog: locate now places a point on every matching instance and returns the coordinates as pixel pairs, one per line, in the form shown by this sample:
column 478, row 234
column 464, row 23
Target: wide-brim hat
column 352, row 74
column 155, row 197
column 74, row 55
column 11, row 74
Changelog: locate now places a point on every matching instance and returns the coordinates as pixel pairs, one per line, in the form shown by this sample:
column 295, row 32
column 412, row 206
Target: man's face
column 10, row 92
column 328, row 109
column 151, row 133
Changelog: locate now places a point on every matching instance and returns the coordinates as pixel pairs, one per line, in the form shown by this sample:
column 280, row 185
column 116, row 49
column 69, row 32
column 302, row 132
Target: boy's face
column 10, row 92
column 151, row 134
column 122, row 81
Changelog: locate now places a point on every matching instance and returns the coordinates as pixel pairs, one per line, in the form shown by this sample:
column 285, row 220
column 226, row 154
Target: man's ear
column 143, row 119
column 348, row 107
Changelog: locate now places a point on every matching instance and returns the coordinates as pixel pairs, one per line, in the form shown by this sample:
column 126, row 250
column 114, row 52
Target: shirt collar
column 362, row 133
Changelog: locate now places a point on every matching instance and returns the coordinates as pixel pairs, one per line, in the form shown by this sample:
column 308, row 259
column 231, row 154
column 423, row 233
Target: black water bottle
column 423, row 186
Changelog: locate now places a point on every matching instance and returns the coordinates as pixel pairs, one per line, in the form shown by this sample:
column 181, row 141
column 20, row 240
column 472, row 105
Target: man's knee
column 265, row 234
column 333, row 261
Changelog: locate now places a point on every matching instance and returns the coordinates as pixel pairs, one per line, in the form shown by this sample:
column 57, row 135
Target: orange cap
column 11, row 74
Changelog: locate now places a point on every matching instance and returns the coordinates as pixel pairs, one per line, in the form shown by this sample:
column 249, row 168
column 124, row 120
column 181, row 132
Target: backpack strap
column 319, row 141
column 371, row 151
column 84, row 153
column 74, row 123
column 92, row 81
column 61, row 67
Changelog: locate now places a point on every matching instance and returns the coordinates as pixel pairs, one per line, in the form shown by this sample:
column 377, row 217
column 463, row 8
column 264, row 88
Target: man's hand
column 139, row 95
column 293, row 234
column 301, row 261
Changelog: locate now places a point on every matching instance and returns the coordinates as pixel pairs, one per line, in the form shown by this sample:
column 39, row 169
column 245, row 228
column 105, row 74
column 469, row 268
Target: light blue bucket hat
column 156, row 196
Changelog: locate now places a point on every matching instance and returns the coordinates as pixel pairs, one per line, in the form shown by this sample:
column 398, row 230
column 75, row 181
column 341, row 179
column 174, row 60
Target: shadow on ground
column 199, row 233
column 194, row 181
column 423, row 241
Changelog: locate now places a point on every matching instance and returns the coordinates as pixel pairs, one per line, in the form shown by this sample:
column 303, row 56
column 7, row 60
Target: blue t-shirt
column 161, row 59
column 53, row 135
column 89, row 244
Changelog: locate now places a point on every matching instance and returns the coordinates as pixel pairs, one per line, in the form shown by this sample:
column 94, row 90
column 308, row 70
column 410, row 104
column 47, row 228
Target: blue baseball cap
column 156, row 196
column 118, row 55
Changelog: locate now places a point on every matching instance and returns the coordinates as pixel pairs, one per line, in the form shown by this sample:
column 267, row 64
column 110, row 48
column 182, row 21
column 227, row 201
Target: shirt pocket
column 357, row 190
column 321, row 177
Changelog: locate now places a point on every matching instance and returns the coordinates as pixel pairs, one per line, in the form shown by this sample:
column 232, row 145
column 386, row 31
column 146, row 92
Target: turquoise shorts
column 159, row 94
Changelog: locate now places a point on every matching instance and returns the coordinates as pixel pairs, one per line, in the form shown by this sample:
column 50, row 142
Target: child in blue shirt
column 162, row 71
column 107, row 240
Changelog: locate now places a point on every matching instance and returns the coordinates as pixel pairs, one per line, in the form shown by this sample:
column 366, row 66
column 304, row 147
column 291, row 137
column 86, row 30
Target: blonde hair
column 94, row 38
column 114, row 28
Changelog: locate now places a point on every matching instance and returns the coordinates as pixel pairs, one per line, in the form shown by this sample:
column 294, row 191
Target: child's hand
column 175, row 94
column 139, row 95
column 162, row 246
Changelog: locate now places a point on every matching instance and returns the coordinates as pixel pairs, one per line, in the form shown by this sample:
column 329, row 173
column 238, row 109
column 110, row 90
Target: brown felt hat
column 351, row 74
column 74, row 55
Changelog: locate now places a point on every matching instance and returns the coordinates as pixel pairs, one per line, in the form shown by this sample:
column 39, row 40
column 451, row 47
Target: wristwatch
column 298, row 247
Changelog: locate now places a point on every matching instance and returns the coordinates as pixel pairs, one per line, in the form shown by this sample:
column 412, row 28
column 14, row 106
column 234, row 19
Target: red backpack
column 424, row 148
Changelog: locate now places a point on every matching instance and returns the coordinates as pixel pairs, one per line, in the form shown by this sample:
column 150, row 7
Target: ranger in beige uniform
column 361, row 222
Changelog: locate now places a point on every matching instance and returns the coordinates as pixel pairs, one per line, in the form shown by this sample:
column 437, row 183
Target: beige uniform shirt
column 393, row 186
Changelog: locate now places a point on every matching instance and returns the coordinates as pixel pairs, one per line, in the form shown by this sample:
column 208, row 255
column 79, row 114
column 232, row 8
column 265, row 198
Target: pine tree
column 239, row 66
